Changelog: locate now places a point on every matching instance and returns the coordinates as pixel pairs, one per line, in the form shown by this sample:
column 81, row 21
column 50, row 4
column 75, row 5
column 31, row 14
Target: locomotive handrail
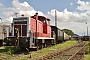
column 17, row 36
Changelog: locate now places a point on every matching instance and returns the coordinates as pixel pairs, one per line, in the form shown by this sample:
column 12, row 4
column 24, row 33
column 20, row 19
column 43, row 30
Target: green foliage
column 0, row 54
column 64, row 45
column 10, row 52
column 53, row 48
column 22, row 59
column 87, row 57
column 69, row 32
column 9, row 49
column 89, row 46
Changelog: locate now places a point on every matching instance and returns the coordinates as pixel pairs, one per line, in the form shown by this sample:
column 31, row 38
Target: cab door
column 22, row 26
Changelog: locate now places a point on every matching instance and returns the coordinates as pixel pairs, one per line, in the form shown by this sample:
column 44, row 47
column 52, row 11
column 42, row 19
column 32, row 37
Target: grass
column 53, row 48
column 64, row 45
column 87, row 56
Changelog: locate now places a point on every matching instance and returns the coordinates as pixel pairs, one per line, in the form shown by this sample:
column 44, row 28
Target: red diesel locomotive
column 30, row 32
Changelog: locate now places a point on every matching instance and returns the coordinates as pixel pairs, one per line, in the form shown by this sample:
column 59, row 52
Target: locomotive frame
column 30, row 32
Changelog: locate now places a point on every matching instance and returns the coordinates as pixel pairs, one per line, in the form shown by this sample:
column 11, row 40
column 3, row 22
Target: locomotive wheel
column 24, row 40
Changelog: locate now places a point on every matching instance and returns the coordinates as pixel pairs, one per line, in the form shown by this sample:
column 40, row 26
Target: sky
column 71, row 14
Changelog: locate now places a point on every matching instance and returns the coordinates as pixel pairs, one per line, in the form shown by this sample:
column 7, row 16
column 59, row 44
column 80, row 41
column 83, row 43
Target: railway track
column 75, row 52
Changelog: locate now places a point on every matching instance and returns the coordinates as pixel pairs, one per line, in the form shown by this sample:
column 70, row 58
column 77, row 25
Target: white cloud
column 83, row 5
column 25, row 4
column 21, row 6
column 66, row 19
column 69, row 16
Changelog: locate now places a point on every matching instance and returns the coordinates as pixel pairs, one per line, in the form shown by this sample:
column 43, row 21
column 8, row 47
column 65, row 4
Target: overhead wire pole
column 56, row 22
column 87, row 29
column 55, row 18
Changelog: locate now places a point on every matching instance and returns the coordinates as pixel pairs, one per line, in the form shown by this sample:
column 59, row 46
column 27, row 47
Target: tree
column 69, row 32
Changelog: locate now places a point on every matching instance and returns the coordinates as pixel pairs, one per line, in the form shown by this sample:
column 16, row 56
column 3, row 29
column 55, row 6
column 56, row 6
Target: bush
column 10, row 52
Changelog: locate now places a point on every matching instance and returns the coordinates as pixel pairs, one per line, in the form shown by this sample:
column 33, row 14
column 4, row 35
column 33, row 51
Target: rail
column 75, row 52
column 78, row 53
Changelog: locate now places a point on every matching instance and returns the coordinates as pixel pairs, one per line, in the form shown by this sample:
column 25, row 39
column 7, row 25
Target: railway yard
column 44, row 30
column 69, row 50
column 27, row 34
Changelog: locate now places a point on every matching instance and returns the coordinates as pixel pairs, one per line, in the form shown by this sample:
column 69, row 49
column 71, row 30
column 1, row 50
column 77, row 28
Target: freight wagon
column 66, row 37
column 59, row 34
